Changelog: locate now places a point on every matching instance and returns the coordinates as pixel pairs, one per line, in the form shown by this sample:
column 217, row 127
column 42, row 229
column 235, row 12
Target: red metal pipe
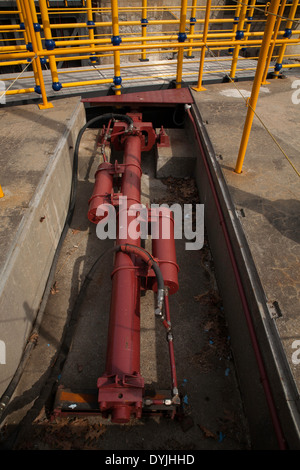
column 102, row 191
column 126, row 284
column 171, row 345
column 121, row 386
column 163, row 246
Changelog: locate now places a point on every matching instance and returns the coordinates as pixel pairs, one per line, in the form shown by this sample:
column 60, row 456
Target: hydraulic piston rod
column 121, row 388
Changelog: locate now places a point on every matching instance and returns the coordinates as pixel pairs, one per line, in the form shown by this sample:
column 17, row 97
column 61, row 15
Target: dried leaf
column 54, row 289
column 198, row 297
column 207, row 433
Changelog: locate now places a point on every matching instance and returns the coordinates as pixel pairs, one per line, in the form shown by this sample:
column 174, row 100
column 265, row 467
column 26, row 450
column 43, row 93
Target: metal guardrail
column 41, row 35
column 34, row 36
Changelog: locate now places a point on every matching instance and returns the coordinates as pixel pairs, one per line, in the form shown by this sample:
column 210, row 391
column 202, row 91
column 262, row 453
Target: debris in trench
column 207, row 433
column 230, row 426
column 64, row 434
column 54, row 289
column 79, row 433
column 174, row 444
column 217, row 347
column 180, row 191
column 199, row 297
column 186, row 422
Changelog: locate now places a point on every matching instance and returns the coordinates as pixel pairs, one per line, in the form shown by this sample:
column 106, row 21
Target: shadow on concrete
column 282, row 214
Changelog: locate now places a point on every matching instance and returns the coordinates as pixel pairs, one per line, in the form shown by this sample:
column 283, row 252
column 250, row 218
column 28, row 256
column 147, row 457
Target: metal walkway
column 134, row 75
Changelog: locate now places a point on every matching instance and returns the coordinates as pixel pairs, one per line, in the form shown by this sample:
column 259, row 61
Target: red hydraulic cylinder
column 121, row 386
column 102, row 190
column 163, row 246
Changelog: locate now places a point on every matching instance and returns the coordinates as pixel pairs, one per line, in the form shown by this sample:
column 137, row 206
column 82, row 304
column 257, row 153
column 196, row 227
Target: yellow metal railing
column 42, row 36
column 194, row 29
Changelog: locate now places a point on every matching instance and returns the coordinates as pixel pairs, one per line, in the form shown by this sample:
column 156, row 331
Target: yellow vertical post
column 36, row 24
column 45, row 104
column 239, row 35
column 21, row 16
column 250, row 17
column 272, row 12
column 144, row 22
column 236, row 20
column 181, row 38
column 49, row 43
column 22, row 21
column 27, row 37
column 272, row 46
column 116, row 40
column 237, row 15
column 1, row 192
column 199, row 86
column 91, row 25
column 192, row 26
column 287, row 33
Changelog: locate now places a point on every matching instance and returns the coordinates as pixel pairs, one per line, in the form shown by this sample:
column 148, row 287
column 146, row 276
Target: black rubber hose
column 116, row 248
column 160, row 281
column 6, row 397
column 67, row 341
column 154, row 265
column 104, row 117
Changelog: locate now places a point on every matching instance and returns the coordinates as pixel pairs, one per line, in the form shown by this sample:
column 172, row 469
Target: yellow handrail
column 202, row 57
column 239, row 34
column 193, row 35
column 272, row 46
column 289, row 31
column 36, row 40
column 257, row 83
column 181, row 38
column 116, row 40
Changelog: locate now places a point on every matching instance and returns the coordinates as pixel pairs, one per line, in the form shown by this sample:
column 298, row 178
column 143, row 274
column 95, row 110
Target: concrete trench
column 213, row 410
column 223, row 401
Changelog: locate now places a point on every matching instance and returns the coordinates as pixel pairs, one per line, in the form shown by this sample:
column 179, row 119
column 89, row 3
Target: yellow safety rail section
column 39, row 36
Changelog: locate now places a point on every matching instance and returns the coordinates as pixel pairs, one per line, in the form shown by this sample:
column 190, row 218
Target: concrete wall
column 27, row 260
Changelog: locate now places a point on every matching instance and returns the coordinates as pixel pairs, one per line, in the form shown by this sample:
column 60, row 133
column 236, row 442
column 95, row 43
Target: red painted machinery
column 121, row 389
